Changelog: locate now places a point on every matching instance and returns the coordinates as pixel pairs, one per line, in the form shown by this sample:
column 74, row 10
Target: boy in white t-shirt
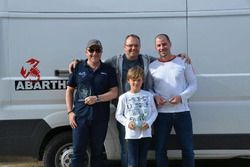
column 136, row 111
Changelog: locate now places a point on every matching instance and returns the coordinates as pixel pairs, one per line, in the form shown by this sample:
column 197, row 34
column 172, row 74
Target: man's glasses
column 132, row 45
column 97, row 50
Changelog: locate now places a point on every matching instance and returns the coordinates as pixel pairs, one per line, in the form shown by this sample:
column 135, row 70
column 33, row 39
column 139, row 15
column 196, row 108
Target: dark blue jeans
column 92, row 133
column 182, row 124
column 137, row 152
column 123, row 145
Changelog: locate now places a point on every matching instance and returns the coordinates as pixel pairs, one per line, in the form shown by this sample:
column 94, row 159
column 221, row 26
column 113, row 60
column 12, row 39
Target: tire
column 59, row 151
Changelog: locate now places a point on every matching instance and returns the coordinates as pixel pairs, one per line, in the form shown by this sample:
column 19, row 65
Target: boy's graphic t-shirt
column 138, row 107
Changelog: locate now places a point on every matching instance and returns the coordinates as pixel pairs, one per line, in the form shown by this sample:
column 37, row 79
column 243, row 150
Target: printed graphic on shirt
column 138, row 108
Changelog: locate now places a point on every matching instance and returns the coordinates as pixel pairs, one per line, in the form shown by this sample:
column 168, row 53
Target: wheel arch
column 52, row 133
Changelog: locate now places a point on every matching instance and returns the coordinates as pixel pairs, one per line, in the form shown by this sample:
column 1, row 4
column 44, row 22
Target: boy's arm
column 119, row 115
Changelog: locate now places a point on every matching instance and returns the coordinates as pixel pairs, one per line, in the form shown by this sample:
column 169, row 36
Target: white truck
column 38, row 39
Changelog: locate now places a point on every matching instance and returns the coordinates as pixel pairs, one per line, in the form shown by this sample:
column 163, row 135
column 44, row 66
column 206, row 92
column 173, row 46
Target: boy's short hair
column 135, row 73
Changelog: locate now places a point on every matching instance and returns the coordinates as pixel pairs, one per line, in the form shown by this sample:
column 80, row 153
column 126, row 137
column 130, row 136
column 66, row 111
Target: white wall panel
column 95, row 6
column 218, row 4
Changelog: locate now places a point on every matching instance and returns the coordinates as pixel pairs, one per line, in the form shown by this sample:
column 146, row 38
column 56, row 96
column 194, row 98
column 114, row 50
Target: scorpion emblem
column 33, row 72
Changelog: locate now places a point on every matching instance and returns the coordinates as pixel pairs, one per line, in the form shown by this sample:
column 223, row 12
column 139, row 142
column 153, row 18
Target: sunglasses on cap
column 92, row 50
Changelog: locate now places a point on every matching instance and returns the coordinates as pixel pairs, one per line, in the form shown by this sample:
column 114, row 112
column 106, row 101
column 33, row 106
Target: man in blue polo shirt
column 96, row 84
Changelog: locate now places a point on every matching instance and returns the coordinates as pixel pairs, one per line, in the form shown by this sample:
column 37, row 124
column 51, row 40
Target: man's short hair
column 133, row 36
column 164, row 35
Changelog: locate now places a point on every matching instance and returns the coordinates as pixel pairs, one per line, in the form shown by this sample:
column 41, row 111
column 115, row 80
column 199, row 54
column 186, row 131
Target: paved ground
column 173, row 163
column 19, row 162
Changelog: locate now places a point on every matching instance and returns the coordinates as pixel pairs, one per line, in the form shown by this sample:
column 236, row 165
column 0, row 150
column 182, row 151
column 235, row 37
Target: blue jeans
column 137, row 152
column 123, row 145
column 92, row 133
column 182, row 124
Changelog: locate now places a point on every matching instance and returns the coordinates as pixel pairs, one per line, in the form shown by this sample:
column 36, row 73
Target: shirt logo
column 82, row 74
column 104, row 73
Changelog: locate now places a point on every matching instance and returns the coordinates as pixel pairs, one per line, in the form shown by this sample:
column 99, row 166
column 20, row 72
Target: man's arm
column 112, row 61
column 72, row 65
column 110, row 95
column 191, row 81
column 69, row 105
column 159, row 100
column 185, row 56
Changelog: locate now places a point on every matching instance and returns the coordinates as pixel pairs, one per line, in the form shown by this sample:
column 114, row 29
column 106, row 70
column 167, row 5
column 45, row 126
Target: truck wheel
column 59, row 151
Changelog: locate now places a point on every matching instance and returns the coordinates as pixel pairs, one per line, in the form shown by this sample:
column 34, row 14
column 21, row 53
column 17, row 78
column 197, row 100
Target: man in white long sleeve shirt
column 173, row 82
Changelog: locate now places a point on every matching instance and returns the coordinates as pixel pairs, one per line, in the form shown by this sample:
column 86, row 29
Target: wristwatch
column 97, row 98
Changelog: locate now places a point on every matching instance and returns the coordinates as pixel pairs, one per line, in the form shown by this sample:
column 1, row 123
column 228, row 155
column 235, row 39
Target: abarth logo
column 31, row 72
